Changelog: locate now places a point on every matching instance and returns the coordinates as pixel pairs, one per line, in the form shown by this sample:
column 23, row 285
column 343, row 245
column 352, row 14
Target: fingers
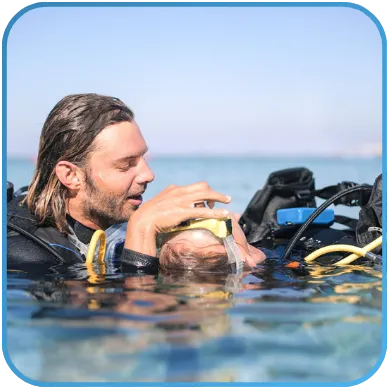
column 203, row 192
column 194, row 194
column 186, row 189
column 245, row 255
column 250, row 261
column 208, row 196
column 196, row 187
column 238, row 234
column 204, row 212
column 256, row 254
column 169, row 188
column 251, row 255
column 210, row 204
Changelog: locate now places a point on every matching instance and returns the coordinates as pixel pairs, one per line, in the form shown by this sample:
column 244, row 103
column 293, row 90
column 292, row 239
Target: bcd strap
column 354, row 199
column 351, row 223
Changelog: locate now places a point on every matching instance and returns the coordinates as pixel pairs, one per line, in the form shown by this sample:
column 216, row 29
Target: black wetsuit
column 23, row 253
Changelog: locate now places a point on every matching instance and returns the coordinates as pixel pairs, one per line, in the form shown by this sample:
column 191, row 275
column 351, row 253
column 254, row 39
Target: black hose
column 37, row 240
column 317, row 212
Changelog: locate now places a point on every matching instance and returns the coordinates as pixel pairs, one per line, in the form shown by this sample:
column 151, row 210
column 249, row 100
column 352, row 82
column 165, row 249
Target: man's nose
column 145, row 174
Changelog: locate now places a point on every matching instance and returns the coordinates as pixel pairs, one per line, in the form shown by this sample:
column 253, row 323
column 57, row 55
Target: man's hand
column 251, row 255
column 169, row 208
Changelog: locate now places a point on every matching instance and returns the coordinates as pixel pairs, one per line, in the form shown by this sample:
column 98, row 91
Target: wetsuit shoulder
column 24, row 254
column 30, row 244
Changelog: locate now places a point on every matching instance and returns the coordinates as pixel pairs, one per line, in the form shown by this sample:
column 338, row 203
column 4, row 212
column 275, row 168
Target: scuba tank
column 284, row 189
column 291, row 193
column 10, row 190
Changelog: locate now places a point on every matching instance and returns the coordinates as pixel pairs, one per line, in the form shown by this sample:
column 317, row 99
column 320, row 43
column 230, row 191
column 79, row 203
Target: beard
column 106, row 208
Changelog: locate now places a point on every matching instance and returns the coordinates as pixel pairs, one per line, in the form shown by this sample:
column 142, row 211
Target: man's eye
column 127, row 166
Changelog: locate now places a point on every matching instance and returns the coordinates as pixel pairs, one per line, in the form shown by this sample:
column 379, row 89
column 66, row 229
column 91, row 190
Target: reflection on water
column 274, row 324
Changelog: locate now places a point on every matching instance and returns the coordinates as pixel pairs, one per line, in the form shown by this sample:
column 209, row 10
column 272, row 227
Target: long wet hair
column 68, row 134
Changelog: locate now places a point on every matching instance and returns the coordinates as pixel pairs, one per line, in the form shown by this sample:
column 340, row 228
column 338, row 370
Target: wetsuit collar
column 83, row 233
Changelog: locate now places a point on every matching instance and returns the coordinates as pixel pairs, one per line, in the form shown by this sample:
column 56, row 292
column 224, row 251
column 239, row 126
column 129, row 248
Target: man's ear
column 69, row 175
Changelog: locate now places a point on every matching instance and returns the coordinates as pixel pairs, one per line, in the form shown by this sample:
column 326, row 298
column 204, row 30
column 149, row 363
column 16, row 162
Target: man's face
column 116, row 175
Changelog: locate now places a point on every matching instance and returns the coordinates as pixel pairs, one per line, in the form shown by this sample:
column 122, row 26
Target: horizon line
column 32, row 158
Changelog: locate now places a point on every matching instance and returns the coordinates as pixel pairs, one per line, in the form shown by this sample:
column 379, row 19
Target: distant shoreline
column 31, row 159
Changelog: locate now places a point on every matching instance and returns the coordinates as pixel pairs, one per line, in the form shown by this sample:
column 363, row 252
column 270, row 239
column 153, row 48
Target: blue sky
column 263, row 81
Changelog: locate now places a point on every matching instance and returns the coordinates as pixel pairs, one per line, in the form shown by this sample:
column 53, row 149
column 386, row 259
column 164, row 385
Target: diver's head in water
column 201, row 250
column 90, row 163
column 196, row 249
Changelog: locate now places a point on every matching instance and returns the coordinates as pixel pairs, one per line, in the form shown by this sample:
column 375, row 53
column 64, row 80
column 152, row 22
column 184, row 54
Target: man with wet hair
column 91, row 173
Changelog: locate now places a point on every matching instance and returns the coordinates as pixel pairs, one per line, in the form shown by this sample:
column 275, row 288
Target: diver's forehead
column 195, row 236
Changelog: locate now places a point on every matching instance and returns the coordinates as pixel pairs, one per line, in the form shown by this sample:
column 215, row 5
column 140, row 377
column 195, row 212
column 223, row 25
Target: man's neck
column 85, row 222
column 76, row 213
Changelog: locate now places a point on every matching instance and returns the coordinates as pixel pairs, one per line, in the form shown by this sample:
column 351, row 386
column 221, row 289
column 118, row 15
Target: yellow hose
column 333, row 248
column 357, row 252
column 99, row 235
column 374, row 244
column 96, row 278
